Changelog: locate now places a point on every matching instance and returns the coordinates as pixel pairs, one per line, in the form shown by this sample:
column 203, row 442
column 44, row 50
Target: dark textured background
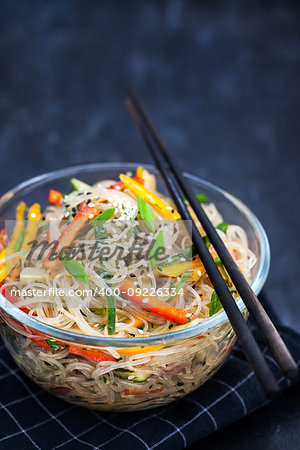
column 220, row 78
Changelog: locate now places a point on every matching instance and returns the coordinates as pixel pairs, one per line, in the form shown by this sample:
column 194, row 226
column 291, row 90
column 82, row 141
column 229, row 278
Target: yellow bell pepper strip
column 5, row 268
column 86, row 213
column 198, row 270
column 34, row 217
column 120, row 186
column 2, row 266
column 138, row 323
column 156, row 306
column 11, row 299
column 155, row 201
column 139, row 171
column 129, row 351
column 149, row 178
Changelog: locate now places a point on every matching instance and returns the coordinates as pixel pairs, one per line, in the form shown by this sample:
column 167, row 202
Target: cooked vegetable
column 99, row 230
column 146, row 213
column 157, row 249
column 150, row 198
column 138, row 323
column 6, row 267
column 129, row 351
column 179, row 284
column 120, row 186
column 93, row 355
column 53, row 344
column 195, row 266
column 186, row 255
column 223, row 226
column 111, row 314
column 155, row 305
column 148, row 178
column 202, row 198
column 88, row 212
column 32, row 274
column 131, row 375
column 19, row 241
column 34, row 217
column 75, row 269
column 79, row 185
column 55, row 197
column 206, row 241
column 215, row 304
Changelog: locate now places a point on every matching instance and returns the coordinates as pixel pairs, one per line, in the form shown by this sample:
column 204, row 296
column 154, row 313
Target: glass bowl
column 166, row 367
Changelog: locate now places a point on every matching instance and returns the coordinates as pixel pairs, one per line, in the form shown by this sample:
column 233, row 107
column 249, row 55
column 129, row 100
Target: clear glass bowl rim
column 94, row 341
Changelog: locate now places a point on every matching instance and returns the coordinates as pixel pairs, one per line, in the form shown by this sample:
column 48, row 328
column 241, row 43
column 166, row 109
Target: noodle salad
column 115, row 260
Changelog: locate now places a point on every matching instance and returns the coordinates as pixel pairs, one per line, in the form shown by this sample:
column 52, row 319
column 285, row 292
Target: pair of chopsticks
column 180, row 189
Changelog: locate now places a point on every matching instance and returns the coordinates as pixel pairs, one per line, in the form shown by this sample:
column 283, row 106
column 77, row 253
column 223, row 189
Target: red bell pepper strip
column 92, row 355
column 88, row 212
column 13, row 300
column 37, row 340
column 54, row 197
column 62, row 389
column 120, row 186
column 156, row 306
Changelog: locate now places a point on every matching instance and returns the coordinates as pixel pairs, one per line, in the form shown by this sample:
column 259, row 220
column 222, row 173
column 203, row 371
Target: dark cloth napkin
column 31, row 418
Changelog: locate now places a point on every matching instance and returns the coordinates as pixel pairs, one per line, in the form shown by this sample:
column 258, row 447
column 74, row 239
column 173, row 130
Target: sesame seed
column 199, row 273
column 91, row 205
column 182, row 259
column 132, row 275
column 88, row 201
column 88, row 193
column 172, row 211
column 73, row 209
column 146, row 300
column 91, row 216
column 170, row 208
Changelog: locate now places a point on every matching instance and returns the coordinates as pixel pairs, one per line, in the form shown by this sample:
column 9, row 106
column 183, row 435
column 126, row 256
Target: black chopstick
column 267, row 329
column 246, row 339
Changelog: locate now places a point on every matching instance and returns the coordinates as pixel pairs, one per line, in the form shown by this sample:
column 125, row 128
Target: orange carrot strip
column 54, row 197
